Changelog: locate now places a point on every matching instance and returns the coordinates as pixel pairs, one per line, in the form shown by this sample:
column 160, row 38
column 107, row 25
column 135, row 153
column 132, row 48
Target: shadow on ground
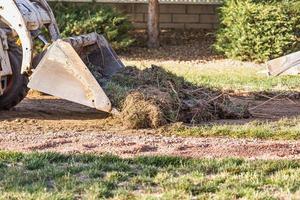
column 175, row 46
column 47, row 107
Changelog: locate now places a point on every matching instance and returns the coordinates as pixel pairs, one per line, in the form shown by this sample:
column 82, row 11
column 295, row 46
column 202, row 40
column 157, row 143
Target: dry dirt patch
column 144, row 144
column 44, row 123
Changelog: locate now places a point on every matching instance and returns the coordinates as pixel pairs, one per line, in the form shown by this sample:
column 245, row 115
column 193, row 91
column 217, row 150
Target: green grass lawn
column 244, row 79
column 283, row 129
column 234, row 78
column 55, row 176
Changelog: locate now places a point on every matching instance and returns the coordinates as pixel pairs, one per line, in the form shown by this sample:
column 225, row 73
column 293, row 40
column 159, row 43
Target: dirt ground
column 44, row 123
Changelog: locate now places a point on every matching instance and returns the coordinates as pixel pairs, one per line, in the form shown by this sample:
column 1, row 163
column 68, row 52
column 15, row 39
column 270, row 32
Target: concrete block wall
column 173, row 16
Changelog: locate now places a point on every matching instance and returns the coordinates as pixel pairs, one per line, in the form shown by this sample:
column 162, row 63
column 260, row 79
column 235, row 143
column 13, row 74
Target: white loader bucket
column 62, row 73
column 286, row 65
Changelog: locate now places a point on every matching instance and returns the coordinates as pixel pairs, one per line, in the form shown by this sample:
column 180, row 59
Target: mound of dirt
column 153, row 97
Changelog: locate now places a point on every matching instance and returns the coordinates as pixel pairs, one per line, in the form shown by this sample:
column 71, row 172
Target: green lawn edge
column 88, row 176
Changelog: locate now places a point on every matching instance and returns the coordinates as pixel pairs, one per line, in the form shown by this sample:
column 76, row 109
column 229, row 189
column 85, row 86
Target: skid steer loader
column 62, row 70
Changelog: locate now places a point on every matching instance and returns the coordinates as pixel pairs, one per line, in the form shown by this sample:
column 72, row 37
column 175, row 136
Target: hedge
column 76, row 19
column 258, row 30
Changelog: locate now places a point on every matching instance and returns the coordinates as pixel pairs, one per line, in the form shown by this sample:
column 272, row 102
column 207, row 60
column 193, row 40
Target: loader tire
column 17, row 84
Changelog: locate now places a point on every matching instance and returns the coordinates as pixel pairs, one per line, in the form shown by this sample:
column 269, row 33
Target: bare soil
column 44, row 123
column 188, row 46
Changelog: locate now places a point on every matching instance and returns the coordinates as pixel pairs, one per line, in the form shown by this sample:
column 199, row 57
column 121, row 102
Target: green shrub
column 76, row 19
column 258, row 30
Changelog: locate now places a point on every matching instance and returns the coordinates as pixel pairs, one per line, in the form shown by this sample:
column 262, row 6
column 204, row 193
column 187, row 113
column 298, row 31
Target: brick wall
column 175, row 16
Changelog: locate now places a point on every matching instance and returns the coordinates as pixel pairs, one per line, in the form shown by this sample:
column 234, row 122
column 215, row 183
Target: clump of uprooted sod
column 153, row 97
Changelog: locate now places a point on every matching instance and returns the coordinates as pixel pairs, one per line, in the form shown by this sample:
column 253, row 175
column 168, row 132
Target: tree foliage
column 76, row 19
column 258, row 30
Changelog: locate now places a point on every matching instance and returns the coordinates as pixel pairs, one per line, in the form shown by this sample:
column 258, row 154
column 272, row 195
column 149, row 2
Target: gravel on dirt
column 125, row 145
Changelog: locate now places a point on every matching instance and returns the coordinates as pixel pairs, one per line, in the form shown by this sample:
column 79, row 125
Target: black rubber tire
column 18, row 89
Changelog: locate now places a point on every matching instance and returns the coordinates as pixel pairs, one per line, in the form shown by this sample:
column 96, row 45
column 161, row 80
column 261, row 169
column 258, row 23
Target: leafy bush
column 76, row 19
column 258, row 30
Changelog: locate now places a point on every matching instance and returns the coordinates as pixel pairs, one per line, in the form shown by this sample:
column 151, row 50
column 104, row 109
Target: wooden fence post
column 153, row 24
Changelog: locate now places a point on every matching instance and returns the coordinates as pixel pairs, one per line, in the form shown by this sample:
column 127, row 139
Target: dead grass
column 153, row 97
column 139, row 111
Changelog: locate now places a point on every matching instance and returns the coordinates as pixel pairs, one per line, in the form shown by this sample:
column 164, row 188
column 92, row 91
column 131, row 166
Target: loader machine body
column 63, row 69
